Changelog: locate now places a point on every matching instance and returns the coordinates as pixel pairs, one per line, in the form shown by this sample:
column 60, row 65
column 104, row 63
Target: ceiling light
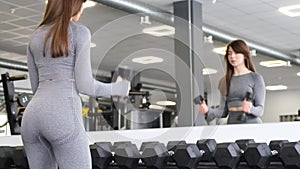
column 276, row 87
column 274, row 63
column 298, row 74
column 208, row 71
column 89, row 4
column 166, row 103
column 163, row 30
column 220, row 50
column 291, row 11
column 147, row 60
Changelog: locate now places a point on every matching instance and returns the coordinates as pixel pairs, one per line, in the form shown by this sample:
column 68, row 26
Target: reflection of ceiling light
column 291, row 11
column 274, row 63
column 157, row 107
column 166, row 103
column 89, row 4
column 298, row 74
column 92, row 45
column 163, row 30
column 208, row 71
column 147, row 60
column 276, row 87
column 220, row 50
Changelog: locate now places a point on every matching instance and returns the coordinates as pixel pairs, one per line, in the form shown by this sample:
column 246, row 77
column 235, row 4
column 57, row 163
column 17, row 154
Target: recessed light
column 274, row 63
column 298, row 74
column 163, row 30
column 291, row 11
column 166, row 103
column 220, row 50
column 89, row 4
column 276, row 87
column 208, row 71
column 147, row 59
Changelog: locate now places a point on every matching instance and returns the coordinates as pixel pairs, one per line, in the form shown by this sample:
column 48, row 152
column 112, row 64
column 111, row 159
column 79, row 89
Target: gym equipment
column 127, row 156
column 259, row 155
column 20, row 157
column 6, row 157
column 124, row 154
column 198, row 100
column 9, row 91
column 276, row 145
column 227, row 155
column 290, row 154
column 101, row 154
column 243, row 143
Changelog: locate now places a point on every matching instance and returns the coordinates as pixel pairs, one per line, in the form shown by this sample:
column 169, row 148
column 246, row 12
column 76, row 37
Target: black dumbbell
column 127, row 155
column 155, row 155
column 227, row 155
column 290, row 154
column 208, row 146
column 258, row 155
column 20, row 157
column 184, row 155
column 243, row 143
column 6, row 156
column 144, row 144
column 276, row 145
column 101, row 153
column 123, row 154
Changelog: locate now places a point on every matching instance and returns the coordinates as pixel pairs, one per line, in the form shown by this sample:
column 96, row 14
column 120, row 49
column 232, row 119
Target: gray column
column 188, row 65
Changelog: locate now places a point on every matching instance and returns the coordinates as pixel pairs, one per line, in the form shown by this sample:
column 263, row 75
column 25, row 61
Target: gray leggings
column 52, row 129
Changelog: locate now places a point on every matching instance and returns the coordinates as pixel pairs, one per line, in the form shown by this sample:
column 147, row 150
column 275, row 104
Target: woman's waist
column 235, row 109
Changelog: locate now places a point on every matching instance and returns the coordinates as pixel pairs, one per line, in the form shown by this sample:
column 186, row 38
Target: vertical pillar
column 188, row 65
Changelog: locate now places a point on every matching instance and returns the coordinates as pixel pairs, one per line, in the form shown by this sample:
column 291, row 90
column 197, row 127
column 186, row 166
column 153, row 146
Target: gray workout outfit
column 239, row 85
column 52, row 128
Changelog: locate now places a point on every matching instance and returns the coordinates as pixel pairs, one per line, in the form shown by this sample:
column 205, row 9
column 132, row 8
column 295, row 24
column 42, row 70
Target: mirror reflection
column 170, row 56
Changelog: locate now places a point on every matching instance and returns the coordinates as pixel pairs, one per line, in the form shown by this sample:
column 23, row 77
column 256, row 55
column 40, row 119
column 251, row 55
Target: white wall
column 281, row 103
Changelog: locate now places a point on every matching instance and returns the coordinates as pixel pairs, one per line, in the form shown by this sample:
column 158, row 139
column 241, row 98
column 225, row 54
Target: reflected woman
column 242, row 90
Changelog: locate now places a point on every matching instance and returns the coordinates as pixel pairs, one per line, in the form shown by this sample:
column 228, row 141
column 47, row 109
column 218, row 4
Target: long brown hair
column 238, row 46
column 58, row 13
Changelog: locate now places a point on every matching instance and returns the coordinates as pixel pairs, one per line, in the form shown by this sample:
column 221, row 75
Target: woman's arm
column 32, row 70
column 259, row 95
column 85, row 82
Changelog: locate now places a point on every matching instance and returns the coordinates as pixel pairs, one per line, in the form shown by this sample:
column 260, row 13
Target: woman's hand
column 126, row 84
column 247, row 106
column 203, row 109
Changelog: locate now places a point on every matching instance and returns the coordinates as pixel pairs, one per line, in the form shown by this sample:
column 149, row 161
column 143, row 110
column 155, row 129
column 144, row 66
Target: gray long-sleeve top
column 239, row 85
column 76, row 66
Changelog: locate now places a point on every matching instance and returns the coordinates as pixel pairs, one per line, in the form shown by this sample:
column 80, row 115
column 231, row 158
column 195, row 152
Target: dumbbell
column 20, row 158
column 243, row 143
column 258, row 155
column 227, row 155
column 123, row 154
column 290, row 154
column 188, row 156
column 6, row 156
column 101, row 153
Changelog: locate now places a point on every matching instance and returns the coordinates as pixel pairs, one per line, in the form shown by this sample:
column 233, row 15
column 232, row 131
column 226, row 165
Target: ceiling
column 119, row 37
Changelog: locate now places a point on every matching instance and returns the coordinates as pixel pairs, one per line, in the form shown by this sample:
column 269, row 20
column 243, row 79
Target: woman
column 59, row 69
column 242, row 89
